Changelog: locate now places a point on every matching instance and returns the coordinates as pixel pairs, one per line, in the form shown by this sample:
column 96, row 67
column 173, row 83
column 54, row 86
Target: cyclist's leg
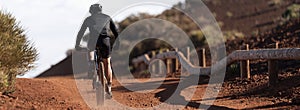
column 91, row 60
column 91, row 64
column 91, row 56
column 105, row 51
column 108, row 70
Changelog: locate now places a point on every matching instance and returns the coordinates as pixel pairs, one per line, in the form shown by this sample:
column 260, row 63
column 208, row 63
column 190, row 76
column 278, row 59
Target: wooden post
column 153, row 64
column 188, row 54
column 203, row 58
column 273, row 70
column 168, row 63
column 159, row 68
column 245, row 67
column 183, row 70
column 175, row 63
column 188, row 57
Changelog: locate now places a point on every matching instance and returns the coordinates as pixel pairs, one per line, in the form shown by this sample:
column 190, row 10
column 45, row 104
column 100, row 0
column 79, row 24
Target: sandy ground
column 62, row 93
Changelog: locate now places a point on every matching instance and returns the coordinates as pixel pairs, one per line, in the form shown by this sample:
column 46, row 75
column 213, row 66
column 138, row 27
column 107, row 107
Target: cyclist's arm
column 113, row 28
column 81, row 33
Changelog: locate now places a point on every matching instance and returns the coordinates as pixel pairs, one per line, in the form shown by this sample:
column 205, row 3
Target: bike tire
column 100, row 89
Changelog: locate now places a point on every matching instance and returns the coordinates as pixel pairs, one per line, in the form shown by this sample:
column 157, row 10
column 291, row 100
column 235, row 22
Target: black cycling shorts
column 103, row 45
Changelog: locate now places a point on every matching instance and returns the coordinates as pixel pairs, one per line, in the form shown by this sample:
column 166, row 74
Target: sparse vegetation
column 255, row 33
column 275, row 2
column 231, row 35
column 220, row 23
column 216, row 2
column 229, row 14
column 233, row 69
column 172, row 15
column 17, row 53
column 292, row 11
column 214, row 14
column 198, row 38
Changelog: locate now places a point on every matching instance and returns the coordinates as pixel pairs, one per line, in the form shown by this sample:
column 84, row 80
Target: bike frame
column 99, row 78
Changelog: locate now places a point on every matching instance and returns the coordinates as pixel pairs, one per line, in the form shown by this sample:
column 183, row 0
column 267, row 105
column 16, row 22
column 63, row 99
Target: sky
column 52, row 25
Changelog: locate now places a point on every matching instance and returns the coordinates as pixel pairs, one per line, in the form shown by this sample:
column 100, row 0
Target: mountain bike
column 99, row 80
column 98, row 75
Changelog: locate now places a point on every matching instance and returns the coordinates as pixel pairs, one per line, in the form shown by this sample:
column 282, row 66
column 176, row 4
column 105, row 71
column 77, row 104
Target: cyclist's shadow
column 171, row 93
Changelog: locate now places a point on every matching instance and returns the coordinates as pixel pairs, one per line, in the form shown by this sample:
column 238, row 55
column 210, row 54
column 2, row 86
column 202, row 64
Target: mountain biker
column 99, row 25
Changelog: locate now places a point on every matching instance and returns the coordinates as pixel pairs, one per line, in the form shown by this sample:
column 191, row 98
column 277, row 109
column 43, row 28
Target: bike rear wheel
column 100, row 89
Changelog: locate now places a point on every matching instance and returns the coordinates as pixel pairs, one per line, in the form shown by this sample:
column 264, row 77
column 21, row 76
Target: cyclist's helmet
column 95, row 8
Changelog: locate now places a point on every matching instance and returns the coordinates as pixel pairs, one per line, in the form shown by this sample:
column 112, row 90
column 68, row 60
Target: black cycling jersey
column 99, row 21
column 99, row 25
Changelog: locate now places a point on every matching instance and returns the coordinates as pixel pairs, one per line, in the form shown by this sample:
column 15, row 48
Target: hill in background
column 237, row 19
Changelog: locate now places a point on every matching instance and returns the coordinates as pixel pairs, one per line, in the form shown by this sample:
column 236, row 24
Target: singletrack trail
column 62, row 93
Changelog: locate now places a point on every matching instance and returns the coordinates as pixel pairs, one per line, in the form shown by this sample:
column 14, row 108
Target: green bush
column 292, row 11
column 229, row 14
column 233, row 69
column 231, row 35
column 275, row 2
column 16, row 53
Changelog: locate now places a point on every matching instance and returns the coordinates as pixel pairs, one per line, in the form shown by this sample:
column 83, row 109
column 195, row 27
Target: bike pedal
column 108, row 95
column 96, row 85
